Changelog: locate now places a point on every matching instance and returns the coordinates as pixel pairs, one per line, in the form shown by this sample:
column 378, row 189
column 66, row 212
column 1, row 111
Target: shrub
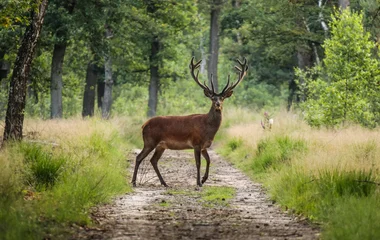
column 44, row 167
column 234, row 143
column 345, row 88
column 272, row 152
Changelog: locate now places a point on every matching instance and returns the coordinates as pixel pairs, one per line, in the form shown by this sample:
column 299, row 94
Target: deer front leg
column 154, row 160
column 139, row 158
column 207, row 157
column 197, row 155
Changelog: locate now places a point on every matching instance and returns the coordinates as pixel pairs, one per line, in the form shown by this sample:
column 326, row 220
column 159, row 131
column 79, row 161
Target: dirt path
column 153, row 212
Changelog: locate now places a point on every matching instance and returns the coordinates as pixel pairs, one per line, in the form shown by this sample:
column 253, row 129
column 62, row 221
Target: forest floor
column 178, row 212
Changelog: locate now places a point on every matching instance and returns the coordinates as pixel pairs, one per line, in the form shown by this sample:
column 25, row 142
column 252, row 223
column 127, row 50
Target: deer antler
column 193, row 67
column 242, row 72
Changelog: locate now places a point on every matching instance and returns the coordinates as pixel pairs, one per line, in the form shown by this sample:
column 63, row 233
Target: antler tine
column 192, row 67
column 196, row 65
column 228, row 83
column 242, row 72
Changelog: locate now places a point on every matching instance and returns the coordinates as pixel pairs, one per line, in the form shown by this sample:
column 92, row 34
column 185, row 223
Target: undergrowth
column 331, row 177
column 50, row 183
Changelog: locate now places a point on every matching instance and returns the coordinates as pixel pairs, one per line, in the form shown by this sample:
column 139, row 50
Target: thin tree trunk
column 236, row 4
column 4, row 66
column 314, row 47
column 89, row 91
column 56, row 80
column 4, row 70
column 322, row 19
column 214, row 43
column 154, row 78
column 57, row 67
column 203, row 66
column 100, row 92
column 343, row 4
column 305, row 60
column 14, row 119
column 108, row 82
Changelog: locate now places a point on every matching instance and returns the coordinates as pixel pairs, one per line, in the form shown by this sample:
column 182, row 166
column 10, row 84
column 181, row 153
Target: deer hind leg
column 207, row 157
column 154, row 160
column 197, row 155
column 139, row 158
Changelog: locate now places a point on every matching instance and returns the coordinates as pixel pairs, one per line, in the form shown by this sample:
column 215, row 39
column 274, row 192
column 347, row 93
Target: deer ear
column 207, row 93
column 228, row 94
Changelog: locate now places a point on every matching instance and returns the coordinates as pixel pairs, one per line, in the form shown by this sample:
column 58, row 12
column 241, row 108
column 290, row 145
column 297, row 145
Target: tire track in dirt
column 150, row 212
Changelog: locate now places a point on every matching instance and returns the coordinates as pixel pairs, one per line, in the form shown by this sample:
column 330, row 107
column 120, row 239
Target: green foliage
column 44, row 167
column 234, row 143
column 273, row 152
column 14, row 12
column 346, row 89
column 257, row 96
column 217, row 196
column 44, row 189
column 269, row 33
column 341, row 184
column 210, row 196
column 318, row 197
column 344, row 202
column 354, row 219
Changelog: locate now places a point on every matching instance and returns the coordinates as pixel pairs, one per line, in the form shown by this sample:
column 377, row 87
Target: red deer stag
column 195, row 131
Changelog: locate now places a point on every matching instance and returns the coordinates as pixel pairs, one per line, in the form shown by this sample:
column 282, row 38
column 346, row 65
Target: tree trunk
column 108, row 82
column 100, row 93
column 154, row 78
column 56, row 80
column 89, row 91
column 214, row 43
column 57, row 66
column 4, row 66
column 14, row 119
column 237, row 4
column 4, row 70
column 343, row 4
column 202, row 68
column 305, row 60
column 322, row 19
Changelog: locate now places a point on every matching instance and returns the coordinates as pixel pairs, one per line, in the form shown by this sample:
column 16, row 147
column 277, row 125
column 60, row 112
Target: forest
column 123, row 57
column 95, row 70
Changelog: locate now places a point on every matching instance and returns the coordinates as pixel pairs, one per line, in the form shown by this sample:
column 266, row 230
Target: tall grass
column 330, row 176
column 62, row 168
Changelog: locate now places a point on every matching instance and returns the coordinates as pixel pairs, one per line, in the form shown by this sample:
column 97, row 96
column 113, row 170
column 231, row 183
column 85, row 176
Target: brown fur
column 195, row 131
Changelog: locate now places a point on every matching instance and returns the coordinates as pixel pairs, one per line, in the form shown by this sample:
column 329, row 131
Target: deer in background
column 195, row 131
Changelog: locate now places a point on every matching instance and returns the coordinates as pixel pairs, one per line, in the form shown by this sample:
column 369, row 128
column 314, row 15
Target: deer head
column 218, row 98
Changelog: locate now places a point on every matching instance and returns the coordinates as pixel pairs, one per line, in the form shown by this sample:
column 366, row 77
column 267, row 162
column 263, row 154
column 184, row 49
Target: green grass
column 276, row 151
column 44, row 188
column 44, row 168
column 214, row 196
column 164, row 203
column 346, row 201
column 209, row 196
column 354, row 218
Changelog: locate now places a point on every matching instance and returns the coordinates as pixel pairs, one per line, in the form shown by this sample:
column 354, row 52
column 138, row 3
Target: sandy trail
column 151, row 212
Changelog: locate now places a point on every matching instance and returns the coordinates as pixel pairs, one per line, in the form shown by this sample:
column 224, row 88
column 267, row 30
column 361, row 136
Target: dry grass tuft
column 351, row 148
